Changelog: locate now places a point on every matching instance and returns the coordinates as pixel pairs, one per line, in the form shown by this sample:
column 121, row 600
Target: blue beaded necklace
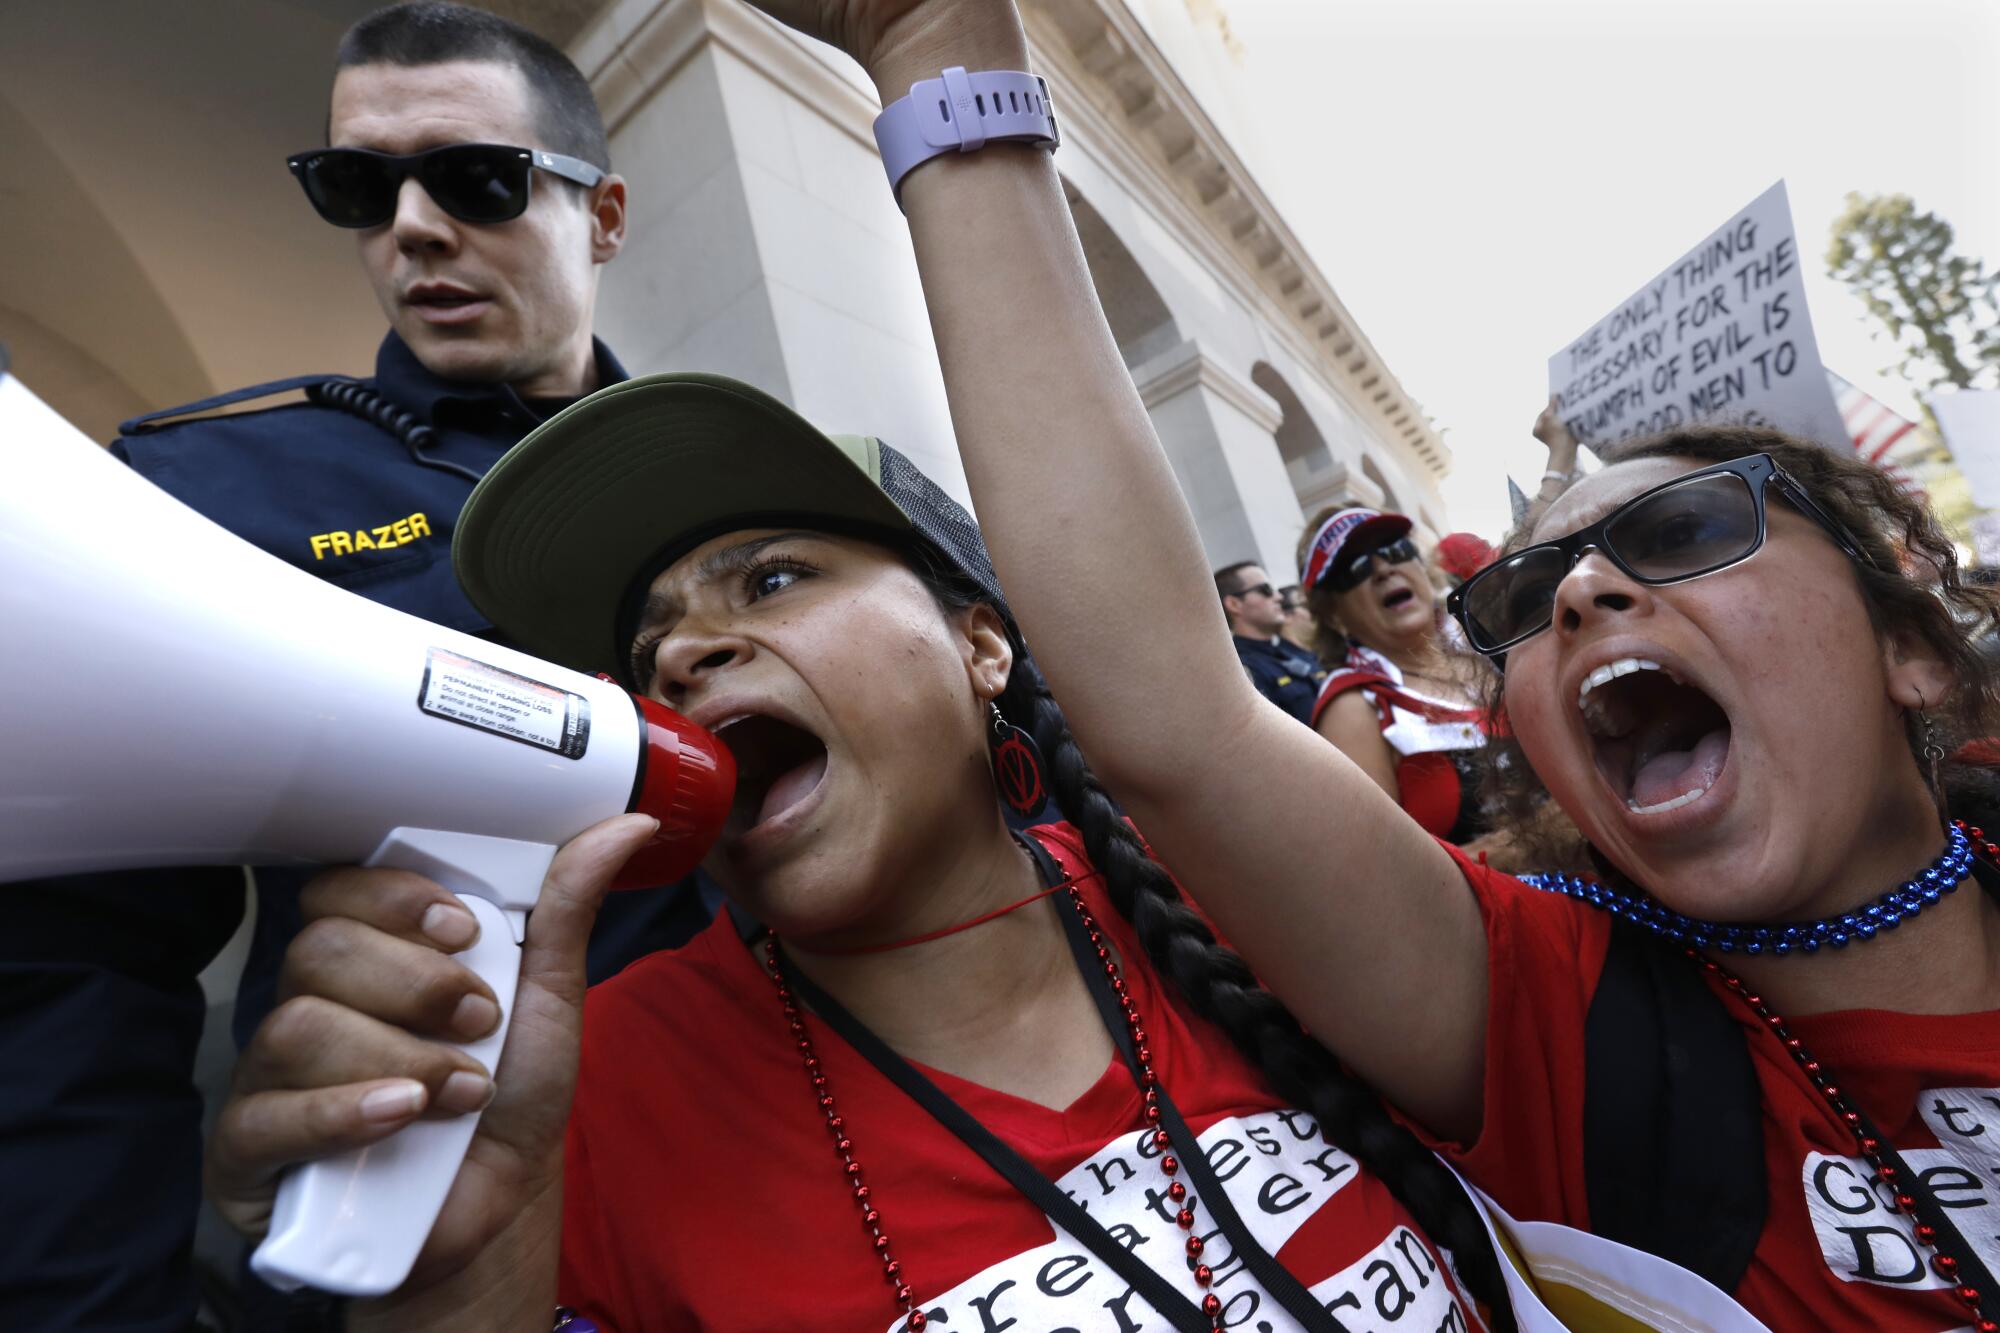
column 1898, row 905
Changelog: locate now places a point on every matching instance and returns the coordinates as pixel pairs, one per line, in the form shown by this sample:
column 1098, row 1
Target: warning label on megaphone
column 461, row 689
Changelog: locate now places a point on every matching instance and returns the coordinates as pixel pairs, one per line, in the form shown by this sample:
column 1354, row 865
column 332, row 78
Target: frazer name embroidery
column 399, row 533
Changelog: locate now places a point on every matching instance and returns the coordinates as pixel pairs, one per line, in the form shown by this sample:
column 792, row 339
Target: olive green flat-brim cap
column 621, row 483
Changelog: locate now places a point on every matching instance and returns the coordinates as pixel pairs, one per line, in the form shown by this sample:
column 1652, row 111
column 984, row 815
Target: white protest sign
column 1721, row 335
column 1986, row 540
column 1969, row 419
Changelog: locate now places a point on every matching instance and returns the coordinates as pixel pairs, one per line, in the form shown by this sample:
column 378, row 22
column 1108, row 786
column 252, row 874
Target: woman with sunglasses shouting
column 1399, row 704
column 1731, row 657
column 1762, row 1040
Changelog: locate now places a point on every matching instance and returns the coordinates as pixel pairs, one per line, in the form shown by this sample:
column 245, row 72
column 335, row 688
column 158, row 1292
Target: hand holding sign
column 1721, row 335
column 1551, row 431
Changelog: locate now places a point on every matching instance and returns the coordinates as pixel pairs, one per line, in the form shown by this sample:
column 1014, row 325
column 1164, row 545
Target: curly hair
column 1911, row 585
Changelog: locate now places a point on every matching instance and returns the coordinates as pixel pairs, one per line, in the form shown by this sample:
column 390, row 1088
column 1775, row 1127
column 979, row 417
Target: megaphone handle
column 354, row 1223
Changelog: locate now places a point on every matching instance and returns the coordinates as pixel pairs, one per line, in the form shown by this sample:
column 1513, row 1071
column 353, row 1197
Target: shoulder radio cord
column 358, row 399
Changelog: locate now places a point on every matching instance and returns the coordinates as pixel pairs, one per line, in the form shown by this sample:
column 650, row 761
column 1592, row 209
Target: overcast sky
column 1481, row 180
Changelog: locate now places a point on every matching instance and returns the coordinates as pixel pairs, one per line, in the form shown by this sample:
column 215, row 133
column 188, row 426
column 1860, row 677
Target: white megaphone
column 252, row 714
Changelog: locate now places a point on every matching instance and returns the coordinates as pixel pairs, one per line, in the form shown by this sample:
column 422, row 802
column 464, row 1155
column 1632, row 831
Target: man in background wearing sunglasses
column 1300, row 630
column 1284, row 673
column 469, row 160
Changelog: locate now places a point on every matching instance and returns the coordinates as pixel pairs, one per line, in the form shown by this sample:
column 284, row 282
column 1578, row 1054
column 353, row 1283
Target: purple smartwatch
column 961, row 113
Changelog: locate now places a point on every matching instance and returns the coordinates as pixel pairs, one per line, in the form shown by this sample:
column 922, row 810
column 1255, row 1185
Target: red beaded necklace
column 1874, row 1147
column 904, row 1295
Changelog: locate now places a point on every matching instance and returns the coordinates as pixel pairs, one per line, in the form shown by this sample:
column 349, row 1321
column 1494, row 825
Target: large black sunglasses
column 1693, row 525
column 1361, row 568
column 474, row 182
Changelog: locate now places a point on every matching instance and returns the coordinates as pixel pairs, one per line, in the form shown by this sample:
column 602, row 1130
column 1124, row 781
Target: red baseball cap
column 1463, row 554
column 1349, row 529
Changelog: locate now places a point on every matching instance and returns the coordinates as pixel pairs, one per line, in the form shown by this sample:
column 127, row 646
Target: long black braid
column 1220, row 987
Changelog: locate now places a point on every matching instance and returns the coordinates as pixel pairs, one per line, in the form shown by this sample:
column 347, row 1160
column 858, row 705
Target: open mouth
column 1660, row 742
column 1398, row 599
column 778, row 766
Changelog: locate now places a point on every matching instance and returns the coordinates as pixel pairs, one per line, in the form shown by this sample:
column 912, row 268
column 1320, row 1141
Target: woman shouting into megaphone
column 960, row 1054
column 928, row 1072
column 926, row 1066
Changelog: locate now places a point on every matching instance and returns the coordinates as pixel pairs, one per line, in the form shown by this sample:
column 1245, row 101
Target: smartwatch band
column 961, row 112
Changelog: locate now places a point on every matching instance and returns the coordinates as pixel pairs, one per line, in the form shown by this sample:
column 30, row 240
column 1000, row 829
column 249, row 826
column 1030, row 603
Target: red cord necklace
column 997, row 912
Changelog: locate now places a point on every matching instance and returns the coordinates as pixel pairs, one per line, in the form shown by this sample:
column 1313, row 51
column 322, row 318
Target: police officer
column 1284, row 673
column 468, row 157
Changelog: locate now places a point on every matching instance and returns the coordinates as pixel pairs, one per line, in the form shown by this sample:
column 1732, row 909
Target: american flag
column 1877, row 431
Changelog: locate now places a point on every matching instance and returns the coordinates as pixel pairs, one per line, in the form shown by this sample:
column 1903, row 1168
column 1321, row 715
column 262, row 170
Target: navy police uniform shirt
column 336, row 493
column 1283, row 672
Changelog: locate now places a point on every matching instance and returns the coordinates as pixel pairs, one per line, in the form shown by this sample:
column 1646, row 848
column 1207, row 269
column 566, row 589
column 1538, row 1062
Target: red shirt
column 703, row 1191
column 1431, row 740
column 1833, row 1255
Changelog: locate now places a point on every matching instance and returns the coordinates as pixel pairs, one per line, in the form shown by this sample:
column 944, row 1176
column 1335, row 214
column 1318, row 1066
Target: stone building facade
column 154, row 246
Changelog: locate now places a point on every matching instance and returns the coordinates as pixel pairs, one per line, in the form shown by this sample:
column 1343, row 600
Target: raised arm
column 1350, row 723
column 1347, row 910
column 1562, row 447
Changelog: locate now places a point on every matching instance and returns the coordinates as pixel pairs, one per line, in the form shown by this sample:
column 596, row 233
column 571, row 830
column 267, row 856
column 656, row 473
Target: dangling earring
column 1017, row 767
column 1934, row 757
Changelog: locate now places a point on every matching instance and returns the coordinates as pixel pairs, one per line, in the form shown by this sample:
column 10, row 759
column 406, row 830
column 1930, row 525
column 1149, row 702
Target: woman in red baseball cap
column 1399, row 702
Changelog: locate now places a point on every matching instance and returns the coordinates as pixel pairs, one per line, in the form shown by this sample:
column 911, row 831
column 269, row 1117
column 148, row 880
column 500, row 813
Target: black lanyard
column 1038, row 1189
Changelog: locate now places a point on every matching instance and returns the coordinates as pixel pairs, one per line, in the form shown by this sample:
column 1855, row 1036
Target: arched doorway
column 1318, row 478
column 1374, row 474
column 1133, row 306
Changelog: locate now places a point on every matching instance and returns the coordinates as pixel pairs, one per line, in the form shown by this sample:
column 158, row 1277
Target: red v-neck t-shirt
column 703, row 1189
column 1833, row 1254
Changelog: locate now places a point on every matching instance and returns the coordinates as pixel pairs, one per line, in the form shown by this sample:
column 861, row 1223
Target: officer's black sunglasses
column 474, row 182
column 1362, row 567
column 1698, row 524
